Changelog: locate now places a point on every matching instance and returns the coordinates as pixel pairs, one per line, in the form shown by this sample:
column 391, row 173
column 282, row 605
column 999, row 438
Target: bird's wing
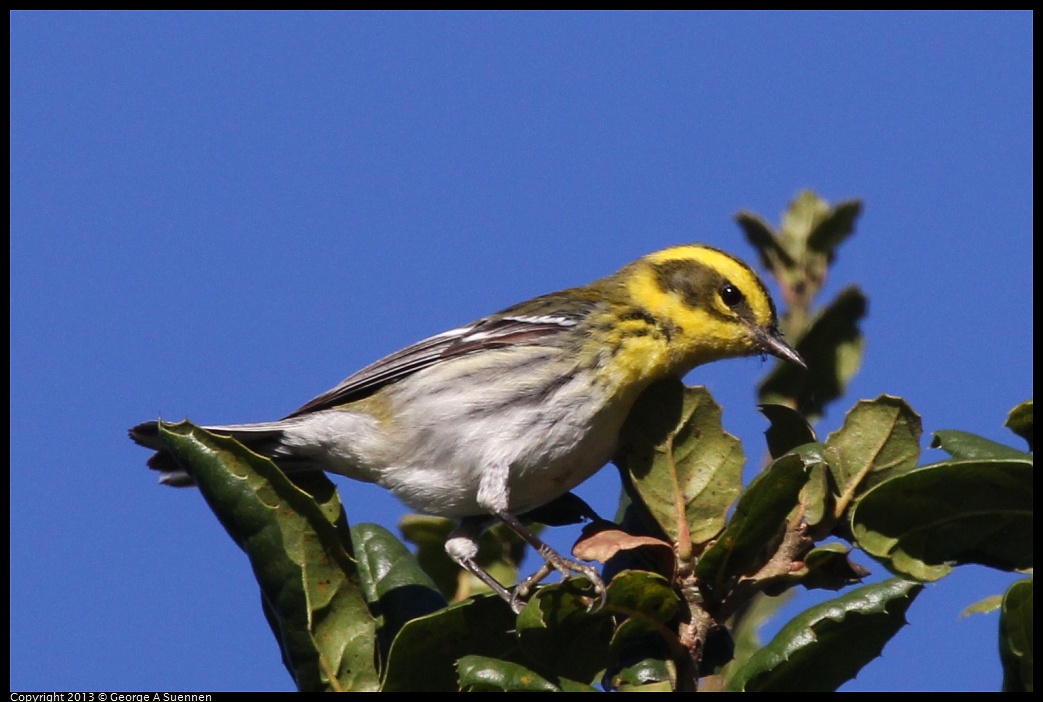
column 497, row 331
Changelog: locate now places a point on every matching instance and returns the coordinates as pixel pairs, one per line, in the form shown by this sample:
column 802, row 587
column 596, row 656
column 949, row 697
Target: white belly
column 433, row 448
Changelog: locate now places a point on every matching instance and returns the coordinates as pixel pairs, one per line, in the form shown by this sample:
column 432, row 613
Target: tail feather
column 264, row 439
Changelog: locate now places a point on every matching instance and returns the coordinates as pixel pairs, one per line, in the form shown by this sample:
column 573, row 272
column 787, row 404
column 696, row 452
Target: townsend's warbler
column 498, row 417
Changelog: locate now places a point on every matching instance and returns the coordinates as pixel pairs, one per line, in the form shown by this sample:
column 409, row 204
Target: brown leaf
column 600, row 542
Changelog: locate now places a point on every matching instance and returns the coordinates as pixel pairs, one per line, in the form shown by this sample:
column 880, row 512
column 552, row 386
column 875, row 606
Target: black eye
column 731, row 295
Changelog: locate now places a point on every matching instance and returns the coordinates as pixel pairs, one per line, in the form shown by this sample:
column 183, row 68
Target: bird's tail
column 263, row 438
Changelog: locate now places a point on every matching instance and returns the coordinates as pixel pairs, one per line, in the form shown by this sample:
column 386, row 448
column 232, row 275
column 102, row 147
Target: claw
column 462, row 547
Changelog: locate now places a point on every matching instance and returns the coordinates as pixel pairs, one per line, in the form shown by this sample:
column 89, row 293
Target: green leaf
column 647, row 605
column 818, row 496
column 485, row 674
column 801, row 218
column 746, row 626
column 645, row 675
column 395, row 585
column 424, row 654
column 646, row 600
column 296, row 538
column 686, row 469
column 834, row 228
column 1016, row 649
column 760, row 236
column 829, row 567
column 880, row 438
column 788, row 429
column 976, row 511
column 983, row 606
column 561, row 637
column 833, row 347
column 800, row 253
column 825, row 646
column 964, row 445
column 759, row 520
column 643, row 596
column 1019, row 421
column 573, row 686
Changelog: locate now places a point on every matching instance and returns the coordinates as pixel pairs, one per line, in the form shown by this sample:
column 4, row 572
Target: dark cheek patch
column 699, row 287
column 692, row 281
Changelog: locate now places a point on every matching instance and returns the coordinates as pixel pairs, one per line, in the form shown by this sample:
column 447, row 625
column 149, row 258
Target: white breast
column 442, row 427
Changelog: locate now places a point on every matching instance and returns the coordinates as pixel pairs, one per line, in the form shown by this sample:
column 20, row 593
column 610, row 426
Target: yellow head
column 703, row 304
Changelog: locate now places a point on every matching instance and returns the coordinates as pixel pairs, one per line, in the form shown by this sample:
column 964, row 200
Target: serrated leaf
column 832, row 346
column 1016, row 640
column 923, row 522
column 686, row 469
column 424, row 654
column 788, row 429
column 485, row 674
column 880, row 438
column 1019, row 421
column 964, row 445
column 746, row 625
column 760, row 518
column 395, row 585
column 827, row 645
column 561, row 636
column 296, row 538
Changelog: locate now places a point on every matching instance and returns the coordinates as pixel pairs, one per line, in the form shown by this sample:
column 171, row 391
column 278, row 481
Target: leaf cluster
column 692, row 554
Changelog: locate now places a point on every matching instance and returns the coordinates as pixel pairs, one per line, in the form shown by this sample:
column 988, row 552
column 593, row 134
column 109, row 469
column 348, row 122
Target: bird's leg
column 462, row 547
column 551, row 560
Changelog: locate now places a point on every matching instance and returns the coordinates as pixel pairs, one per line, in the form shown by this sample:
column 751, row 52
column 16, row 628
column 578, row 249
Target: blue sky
column 220, row 216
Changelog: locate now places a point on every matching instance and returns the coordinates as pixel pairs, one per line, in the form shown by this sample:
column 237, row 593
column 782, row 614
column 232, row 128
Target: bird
column 492, row 419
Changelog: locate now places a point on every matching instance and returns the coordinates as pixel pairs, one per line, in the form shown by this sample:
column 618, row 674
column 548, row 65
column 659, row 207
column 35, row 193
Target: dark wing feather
column 493, row 332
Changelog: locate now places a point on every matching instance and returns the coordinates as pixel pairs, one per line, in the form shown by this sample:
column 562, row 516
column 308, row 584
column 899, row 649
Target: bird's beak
column 773, row 343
